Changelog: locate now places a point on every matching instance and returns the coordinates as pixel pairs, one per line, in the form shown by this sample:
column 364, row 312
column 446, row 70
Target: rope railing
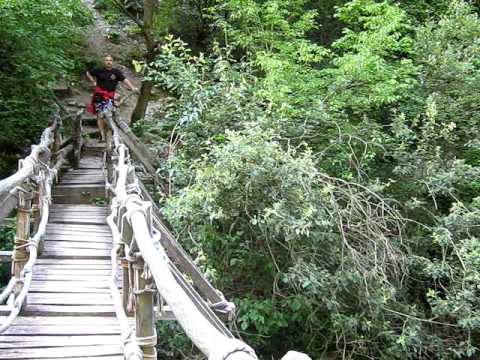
column 31, row 184
column 156, row 278
column 151, row 269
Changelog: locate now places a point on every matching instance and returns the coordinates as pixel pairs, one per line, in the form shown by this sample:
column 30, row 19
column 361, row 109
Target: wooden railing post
column 77, row 139
column 144, row 312
column 36, row 214
column 20, row 251
column 57, row 136
column 127, row 275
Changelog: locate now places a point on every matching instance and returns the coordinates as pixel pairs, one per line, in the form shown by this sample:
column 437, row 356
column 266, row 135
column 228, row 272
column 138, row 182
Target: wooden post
column 144, row 313
column 127, row 238
column 36, row 215
column 57, row 137
column 20, row 252
column 126, row 286
column 77, row 139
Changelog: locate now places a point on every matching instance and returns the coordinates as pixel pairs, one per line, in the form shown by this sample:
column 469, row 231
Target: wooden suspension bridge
column 90, row 279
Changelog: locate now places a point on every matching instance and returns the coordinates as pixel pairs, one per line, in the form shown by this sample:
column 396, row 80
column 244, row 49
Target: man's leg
column 101, row 126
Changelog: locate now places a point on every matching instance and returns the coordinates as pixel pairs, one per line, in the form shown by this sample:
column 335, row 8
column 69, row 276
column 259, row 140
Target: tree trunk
column 142, row 102
column 149, row 8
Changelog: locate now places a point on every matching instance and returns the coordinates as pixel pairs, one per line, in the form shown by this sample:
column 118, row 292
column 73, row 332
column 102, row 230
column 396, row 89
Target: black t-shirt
column 107, row 79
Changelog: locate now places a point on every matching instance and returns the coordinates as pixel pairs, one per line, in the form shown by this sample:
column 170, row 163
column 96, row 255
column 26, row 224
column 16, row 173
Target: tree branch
column 130, row 15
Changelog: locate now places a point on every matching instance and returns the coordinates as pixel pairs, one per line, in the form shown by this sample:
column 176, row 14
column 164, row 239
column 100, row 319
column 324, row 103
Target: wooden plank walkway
column 69, row 312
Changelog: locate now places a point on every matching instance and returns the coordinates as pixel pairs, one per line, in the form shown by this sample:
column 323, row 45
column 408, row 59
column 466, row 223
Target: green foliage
column 373, row 66
column 103, row 4
column 173, row 344
column 188, row 19
column 7, row 236
column 38, row 44
column 112, row 16
column 114, row 37
column 331, row 189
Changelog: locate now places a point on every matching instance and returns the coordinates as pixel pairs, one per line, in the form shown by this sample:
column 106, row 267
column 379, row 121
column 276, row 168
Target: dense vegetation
column 39, row 45
column 322, row 161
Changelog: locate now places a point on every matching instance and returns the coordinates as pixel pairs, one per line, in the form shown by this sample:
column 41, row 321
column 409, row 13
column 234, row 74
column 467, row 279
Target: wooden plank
column 62, row 352
column 77, row 238
column 79, row 234
column 73, row 226
column 78, row 207
column 73, row 271
column 91, row 165
column 60, row 321
column 69, row 299
column 99, row 182
column 5, row 256
column 9, row 202
column 42, row 261
column 85, row 187
column 83, row 174
column 79, row 228
column 66, row 220
column 76, row 211
column 13, row 342
column 87, row 181
column 76, row 301
column 65, row 330
column 66, row 296
column 79, row 212
column 77, row 194
column 84, row 171
column 82, row 177
column 84, row 216
column 50, row 244
column 68, row 310
column 114, row 357
column 73, row 284
column 52, row 288
column 54, row 226
column 67, row 230
column 43, row 278
column 77, row 254
column 78, row 219
column 88, row 176
column 67, row 267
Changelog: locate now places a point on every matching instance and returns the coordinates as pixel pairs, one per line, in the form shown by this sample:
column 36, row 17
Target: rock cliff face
column 98, row 43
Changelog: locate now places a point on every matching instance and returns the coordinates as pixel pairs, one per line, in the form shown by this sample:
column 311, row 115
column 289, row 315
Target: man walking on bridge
column 105, row 81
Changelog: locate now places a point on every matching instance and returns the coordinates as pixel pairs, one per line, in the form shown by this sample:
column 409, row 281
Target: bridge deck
column 69, row 312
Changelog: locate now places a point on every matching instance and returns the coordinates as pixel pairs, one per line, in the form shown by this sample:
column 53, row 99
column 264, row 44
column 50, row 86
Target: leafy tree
column 38, row 44
column 331, row 189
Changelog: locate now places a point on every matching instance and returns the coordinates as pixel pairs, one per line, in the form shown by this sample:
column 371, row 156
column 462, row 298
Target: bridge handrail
column 35, row 176
column 173, row 248
column 142, row 246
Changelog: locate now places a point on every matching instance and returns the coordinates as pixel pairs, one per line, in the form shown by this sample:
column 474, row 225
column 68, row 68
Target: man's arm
column 129, row 85
column 91, row 78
